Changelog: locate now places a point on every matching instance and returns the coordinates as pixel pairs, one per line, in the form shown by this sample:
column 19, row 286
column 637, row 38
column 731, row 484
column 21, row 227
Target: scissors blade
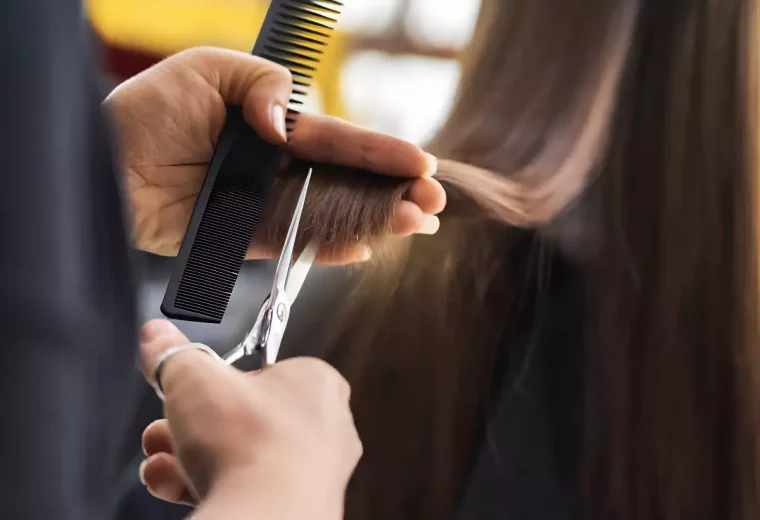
column 300, row 270
column 286, row 257
column 277, row 308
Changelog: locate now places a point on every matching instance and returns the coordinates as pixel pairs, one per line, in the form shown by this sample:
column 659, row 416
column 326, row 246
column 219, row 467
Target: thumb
column 262, row 87
column 157, row 336
column 191, row 367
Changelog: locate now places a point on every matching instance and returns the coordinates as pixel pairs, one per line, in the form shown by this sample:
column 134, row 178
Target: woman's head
column 650, row 106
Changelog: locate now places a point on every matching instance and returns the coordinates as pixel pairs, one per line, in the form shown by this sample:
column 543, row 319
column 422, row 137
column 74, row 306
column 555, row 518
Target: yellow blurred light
column 168, row 26
column 165, row 27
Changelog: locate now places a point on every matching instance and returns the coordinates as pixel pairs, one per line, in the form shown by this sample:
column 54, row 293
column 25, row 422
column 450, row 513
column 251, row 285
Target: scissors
column 266, row 335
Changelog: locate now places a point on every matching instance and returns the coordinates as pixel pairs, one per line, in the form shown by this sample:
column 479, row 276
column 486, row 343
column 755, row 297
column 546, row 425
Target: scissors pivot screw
column 281, row 311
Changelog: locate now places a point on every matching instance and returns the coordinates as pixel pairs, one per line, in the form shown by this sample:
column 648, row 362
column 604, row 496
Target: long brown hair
column 649, row 107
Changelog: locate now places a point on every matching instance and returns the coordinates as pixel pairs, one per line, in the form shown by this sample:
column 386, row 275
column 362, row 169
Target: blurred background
column 390, row 66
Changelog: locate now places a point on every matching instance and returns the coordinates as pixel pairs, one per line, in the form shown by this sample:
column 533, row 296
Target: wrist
column 248, row 494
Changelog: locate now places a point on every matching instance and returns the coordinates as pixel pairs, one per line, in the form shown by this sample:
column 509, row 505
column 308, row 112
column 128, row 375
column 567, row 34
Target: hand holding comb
column 242, row 170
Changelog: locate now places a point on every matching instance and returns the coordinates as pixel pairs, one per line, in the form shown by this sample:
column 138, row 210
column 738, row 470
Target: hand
column 169, row 118
column 280, row 442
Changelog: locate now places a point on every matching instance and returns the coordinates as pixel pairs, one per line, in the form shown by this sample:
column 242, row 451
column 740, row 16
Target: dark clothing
column 67, row 304
column 528, row 464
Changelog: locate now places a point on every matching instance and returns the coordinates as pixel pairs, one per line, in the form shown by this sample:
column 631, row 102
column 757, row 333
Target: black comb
column 242, row 170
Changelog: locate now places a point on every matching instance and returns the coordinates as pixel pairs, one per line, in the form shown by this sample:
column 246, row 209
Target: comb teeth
column 219, row 254
column 294, row 35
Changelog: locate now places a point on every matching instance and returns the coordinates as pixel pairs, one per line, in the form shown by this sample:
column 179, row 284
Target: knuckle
column 355, row 446
column 329, row 377
column 273, row 69
column 358, row 447
column 344, row 387
column 319, row 380
column 317, row 368
column 329, row 374
column 281, row 72
column 369, row 150
column 199, row 52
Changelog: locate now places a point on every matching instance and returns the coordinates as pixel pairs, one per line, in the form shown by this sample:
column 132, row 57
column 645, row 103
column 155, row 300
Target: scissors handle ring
column 166, row 354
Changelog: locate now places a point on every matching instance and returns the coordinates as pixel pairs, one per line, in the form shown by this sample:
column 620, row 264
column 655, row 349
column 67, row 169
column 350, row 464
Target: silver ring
column 166, row 354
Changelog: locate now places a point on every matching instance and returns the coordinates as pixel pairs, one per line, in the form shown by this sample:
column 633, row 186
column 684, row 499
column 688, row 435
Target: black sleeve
column 67, row 304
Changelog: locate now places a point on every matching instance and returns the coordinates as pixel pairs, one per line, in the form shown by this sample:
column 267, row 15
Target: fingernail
column 432, row 165
column 154, row 329
column 430, row 225
column 278, row 121
column 141, row 471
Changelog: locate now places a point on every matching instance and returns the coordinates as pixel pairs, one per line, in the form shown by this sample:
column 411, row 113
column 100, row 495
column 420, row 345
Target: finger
column 430, row 225
column 409, row 219
column 192, row 368
column 265, row 104
column 157, row 438
column 163, row 478
column 262, row 87
column 428, row 195
column 156, row 336
column 331, row 140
